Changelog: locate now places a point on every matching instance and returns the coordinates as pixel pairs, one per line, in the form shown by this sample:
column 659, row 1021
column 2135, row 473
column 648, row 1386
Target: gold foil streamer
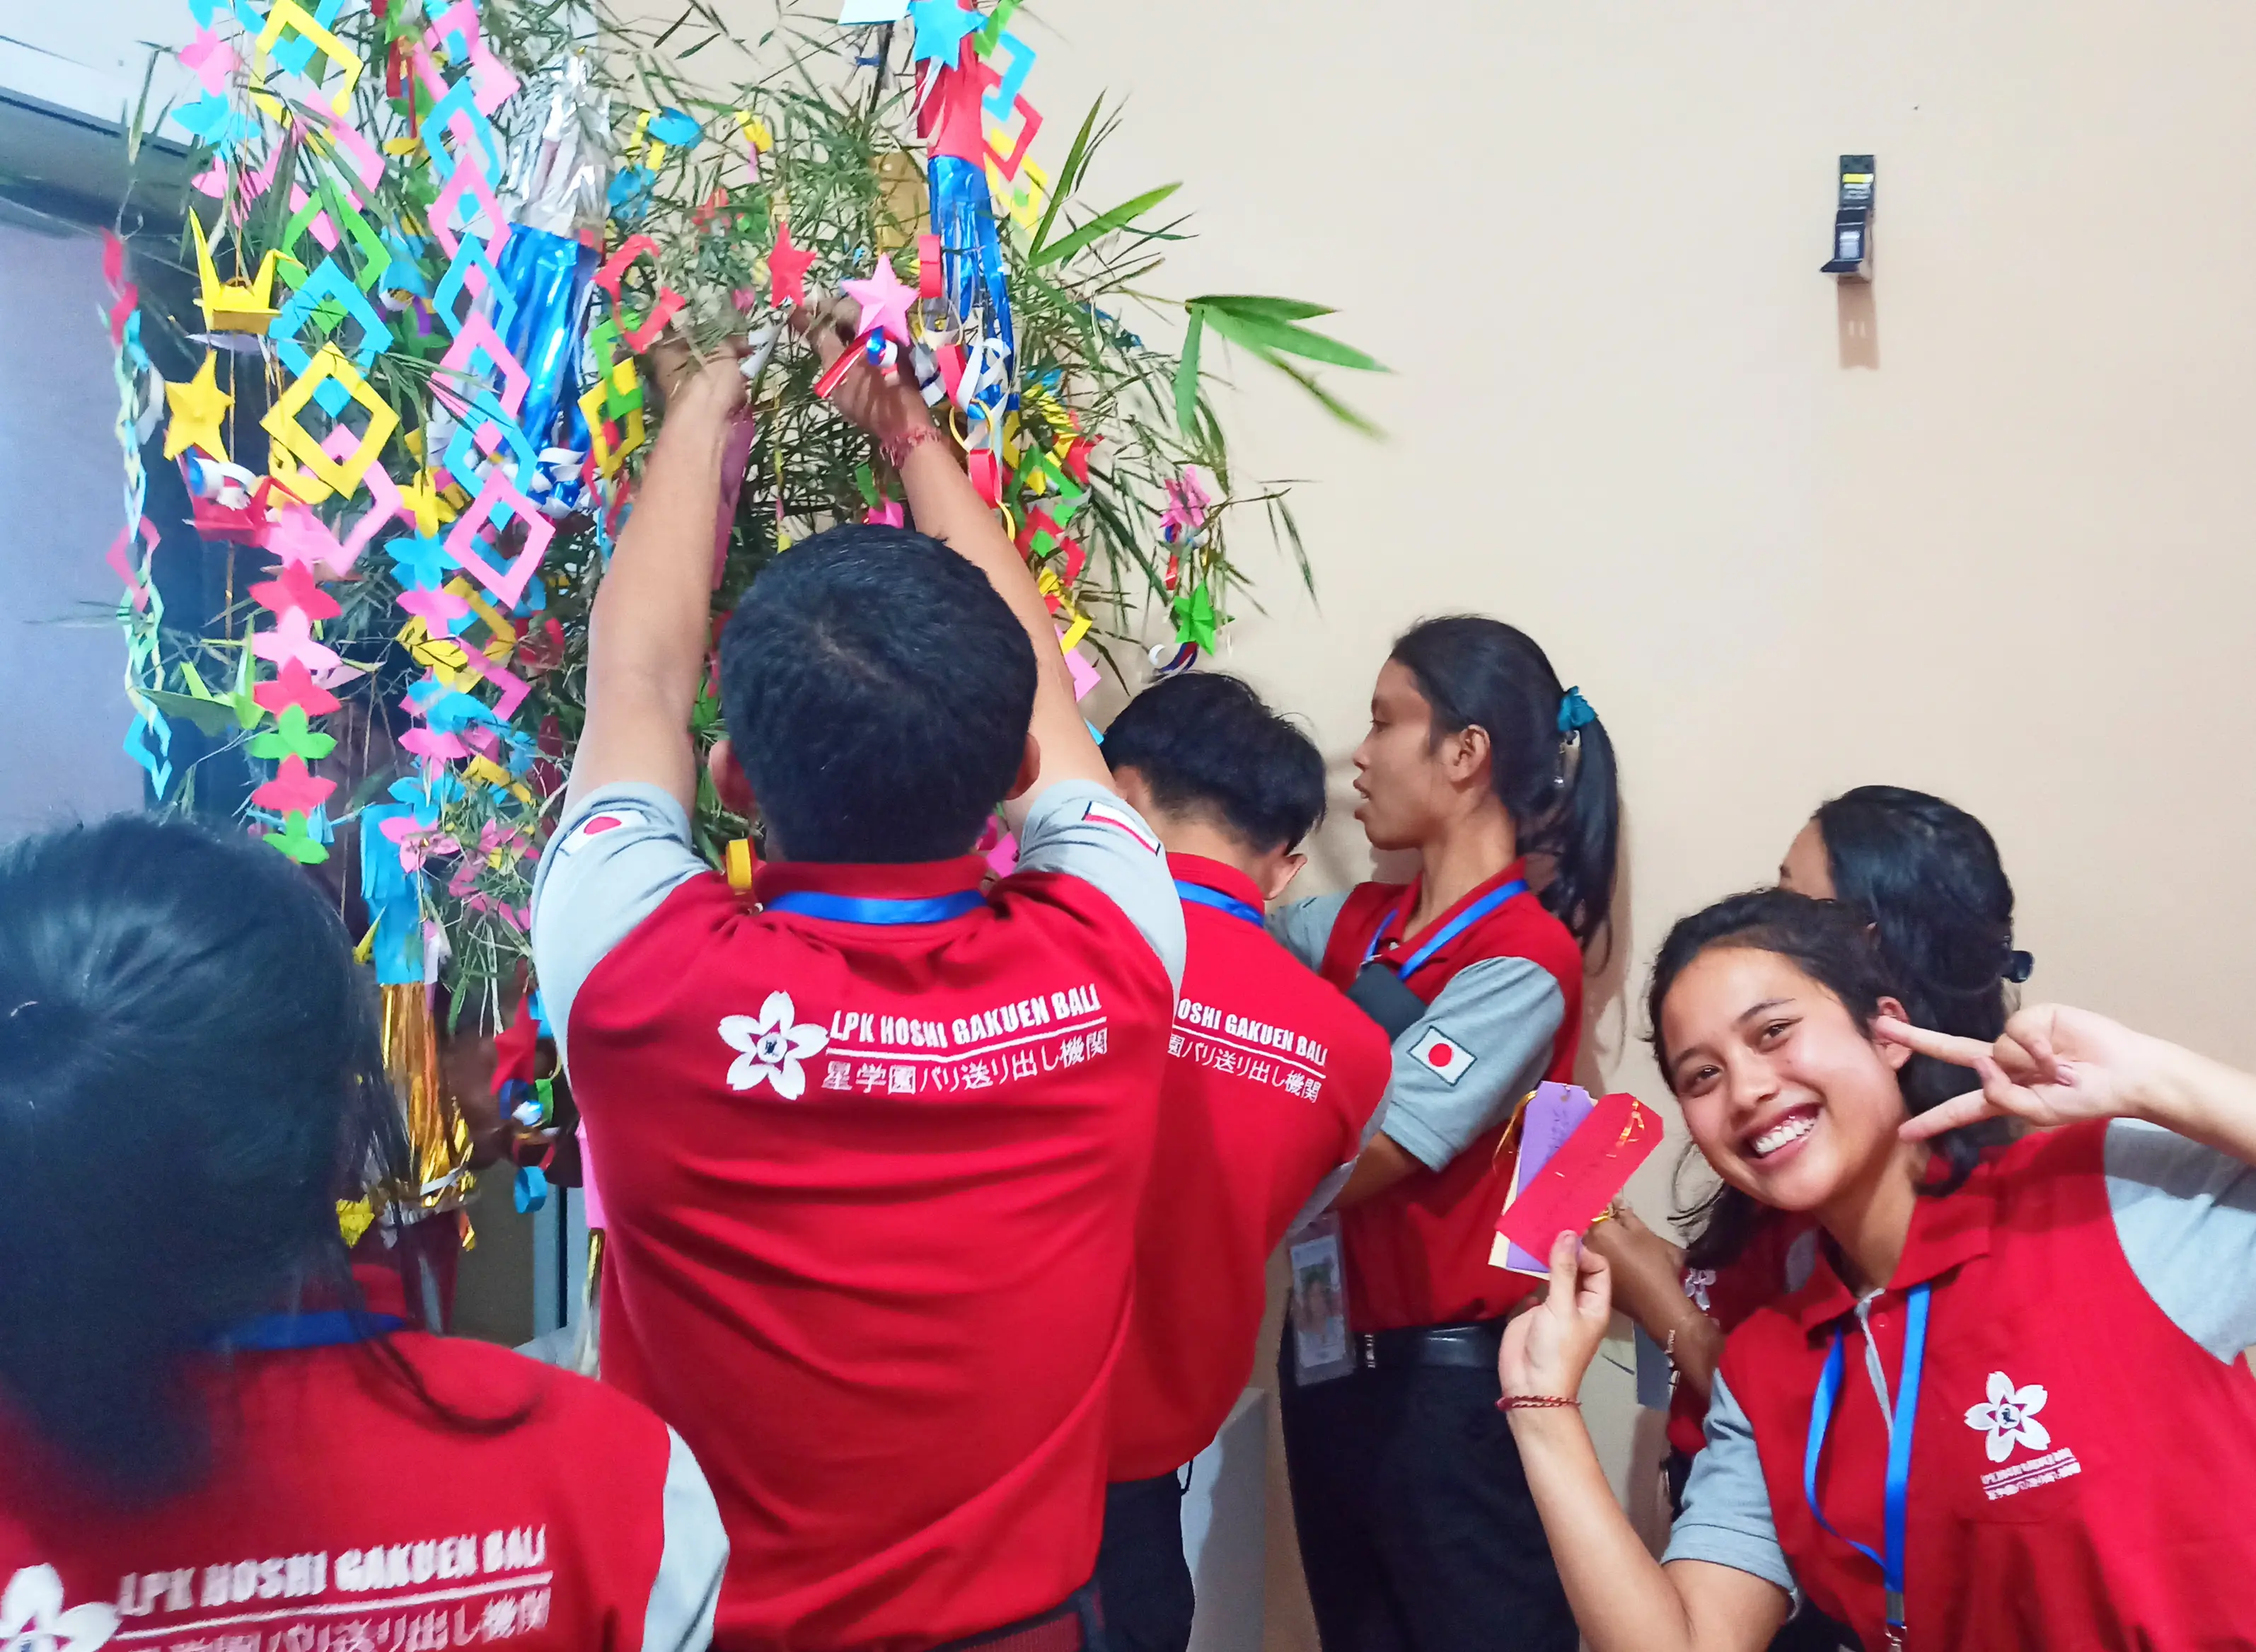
column 438, row 1140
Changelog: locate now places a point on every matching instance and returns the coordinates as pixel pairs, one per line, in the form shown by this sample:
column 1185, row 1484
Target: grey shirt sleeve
column 1081, row 830
column 1304, row 928
column 1727, row 1520
column 1495, row 1021
column 687, row 1587
column 2186, row 1216
column 609, row 867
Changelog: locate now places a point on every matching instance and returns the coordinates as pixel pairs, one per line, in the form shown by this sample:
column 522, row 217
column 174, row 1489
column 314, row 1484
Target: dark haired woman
column 1415, row 1530
column 206, row 1432
column 2007, row 1410
column 1927, row 876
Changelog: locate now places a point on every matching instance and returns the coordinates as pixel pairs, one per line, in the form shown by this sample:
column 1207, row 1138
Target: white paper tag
column 860, row 11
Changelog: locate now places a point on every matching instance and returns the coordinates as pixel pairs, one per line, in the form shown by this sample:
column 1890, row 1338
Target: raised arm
column 1648, row 1273
column 1623, row 1599
column 649, row 629
column 946, row 506
column 2054, row 1066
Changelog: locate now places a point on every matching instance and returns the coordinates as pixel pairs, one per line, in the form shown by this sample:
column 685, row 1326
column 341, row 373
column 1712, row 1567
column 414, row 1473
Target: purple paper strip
column 1552, row 1114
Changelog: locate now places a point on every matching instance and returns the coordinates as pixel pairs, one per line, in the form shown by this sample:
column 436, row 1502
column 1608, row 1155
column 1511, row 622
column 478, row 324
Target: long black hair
column 1551, row 761
column 1926, row 875
column 191, row 1077
column 1831, row 943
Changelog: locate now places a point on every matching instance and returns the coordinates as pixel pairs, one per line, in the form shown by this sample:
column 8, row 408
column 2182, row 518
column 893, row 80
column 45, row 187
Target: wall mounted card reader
column 1853, row 220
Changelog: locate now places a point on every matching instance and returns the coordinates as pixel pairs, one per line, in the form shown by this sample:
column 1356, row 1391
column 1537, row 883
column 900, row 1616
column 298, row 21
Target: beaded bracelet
column 1536, row 1403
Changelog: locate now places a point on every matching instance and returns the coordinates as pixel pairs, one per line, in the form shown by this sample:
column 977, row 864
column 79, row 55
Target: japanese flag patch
column 1125, row 819
column 602, row 821
column 1441, row 1055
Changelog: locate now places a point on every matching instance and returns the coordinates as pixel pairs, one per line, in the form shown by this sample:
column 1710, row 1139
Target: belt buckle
column 1366, row 1350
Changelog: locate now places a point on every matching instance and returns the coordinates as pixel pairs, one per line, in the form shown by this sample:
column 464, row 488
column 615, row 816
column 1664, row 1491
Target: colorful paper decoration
column 233, row 306
column 197, row 408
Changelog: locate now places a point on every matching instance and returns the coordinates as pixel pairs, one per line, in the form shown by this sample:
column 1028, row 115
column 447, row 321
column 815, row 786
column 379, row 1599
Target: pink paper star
column 294, row 790
column 788, row 268
column 418, row 843
column 212, row 59
column 294, row 587
column 295, row 686
column 1186, row 511
column 885, row 300
column 439, row 611
column 444, row 748
column 292, row 638
column 300, row 537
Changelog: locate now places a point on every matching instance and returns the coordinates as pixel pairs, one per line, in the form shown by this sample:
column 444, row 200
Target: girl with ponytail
column 1415, row 1525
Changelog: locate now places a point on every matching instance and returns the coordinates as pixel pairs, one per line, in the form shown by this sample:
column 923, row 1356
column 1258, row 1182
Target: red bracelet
column 898, row 449
column 1536, row 1403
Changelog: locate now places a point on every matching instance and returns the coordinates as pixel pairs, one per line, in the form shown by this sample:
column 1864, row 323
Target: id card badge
column 1317, row 1313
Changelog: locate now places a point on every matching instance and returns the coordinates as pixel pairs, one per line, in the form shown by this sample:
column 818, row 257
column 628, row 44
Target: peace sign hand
column 2052, row 1066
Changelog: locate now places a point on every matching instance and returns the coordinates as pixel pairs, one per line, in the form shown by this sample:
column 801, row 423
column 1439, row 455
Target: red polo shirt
column 1271, row 1074
column 344, row 1513
column 2083, row 1472
column 871, row 1192
column 1417, row 1254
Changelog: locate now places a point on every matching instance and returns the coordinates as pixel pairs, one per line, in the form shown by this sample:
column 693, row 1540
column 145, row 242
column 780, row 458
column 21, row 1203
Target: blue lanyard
column 1450, row 930
column 1221, row 902
column 1900, row 1433
column 853, row 909
column 271, row 1333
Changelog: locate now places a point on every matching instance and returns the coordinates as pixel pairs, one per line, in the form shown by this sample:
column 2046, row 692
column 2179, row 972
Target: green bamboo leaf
column 1284, row 338
column 1103, row 224
column 1069, row 176
column 1186, row 372
column 1264, row 308
column 1325, row 400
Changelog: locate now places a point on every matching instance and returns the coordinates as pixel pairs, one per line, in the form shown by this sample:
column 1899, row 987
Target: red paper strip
column 834, row 375
column 1594, row 1164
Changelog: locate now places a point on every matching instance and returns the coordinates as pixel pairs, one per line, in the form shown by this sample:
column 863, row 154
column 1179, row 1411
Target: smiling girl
column 1416, row 1531
column 2006, row 1410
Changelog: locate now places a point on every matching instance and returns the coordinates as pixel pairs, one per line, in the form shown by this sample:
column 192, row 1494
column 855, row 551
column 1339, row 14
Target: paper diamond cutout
column 281, row 421
column 497, row 499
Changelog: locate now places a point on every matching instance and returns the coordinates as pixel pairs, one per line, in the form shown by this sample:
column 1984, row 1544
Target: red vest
column 1271, row 1076
column 344, row 1514
column 2125, row 1518
column 1417, row 1254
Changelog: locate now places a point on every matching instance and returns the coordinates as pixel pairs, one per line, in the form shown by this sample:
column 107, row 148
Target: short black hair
column 878, row 693
column 1205, row 742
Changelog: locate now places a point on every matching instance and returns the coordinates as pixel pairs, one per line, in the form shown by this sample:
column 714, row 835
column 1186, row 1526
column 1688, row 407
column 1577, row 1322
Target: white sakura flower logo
column 769, row 1049
column 2010, row 1419
column 32, row 1618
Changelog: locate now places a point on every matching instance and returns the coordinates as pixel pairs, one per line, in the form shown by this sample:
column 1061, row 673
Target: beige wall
column 2009, row 559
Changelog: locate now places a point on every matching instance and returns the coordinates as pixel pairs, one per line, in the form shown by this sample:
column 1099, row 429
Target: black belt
column 1468, row 1347
column 1075, row 1625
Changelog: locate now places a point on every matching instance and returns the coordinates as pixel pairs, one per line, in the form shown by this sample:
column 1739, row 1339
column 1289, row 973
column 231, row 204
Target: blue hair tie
column 1573, row 713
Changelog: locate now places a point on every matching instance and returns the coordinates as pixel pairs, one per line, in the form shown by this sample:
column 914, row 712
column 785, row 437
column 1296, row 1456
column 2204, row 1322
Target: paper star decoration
column 197, row 408
column 885, row 300
column 788, row 268
column 941, row 26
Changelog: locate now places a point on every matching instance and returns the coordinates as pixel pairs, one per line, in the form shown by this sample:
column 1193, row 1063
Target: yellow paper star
column 420, row 499
column 197, row 408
